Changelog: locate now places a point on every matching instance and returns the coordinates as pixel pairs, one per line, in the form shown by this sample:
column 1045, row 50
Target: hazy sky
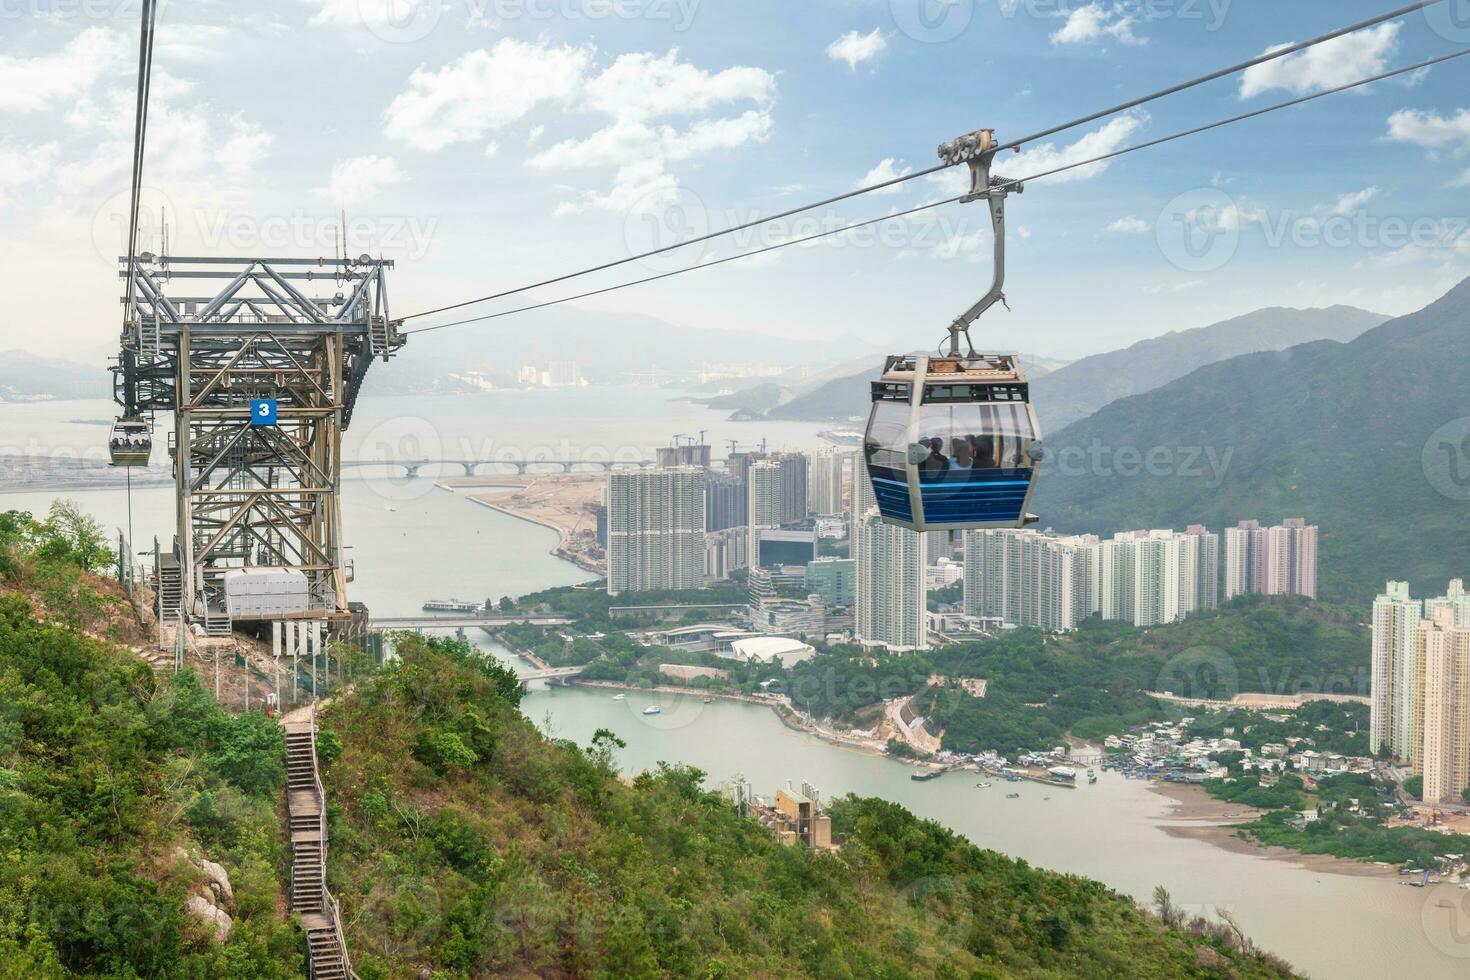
column 487, row 143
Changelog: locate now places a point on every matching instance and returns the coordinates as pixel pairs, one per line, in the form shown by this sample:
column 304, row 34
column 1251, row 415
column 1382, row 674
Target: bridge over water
column 420, row 623
column 411, row 467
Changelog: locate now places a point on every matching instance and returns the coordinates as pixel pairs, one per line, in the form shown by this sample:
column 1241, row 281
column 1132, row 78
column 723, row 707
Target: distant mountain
column 849, row 397
column 1368, row 439
column 1084, row 386
column 27, row 377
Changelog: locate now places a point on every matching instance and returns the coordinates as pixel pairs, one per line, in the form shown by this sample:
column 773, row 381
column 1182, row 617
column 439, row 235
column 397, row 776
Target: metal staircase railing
column 331, row 962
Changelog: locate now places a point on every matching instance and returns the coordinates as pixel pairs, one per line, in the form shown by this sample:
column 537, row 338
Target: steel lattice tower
column 251, row 494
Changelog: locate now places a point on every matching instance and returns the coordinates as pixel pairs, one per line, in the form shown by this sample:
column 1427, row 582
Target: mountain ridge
column 1343, row 434
column 1087, row 384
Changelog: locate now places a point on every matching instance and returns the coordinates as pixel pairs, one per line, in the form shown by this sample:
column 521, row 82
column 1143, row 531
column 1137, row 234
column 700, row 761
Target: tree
column 71, row 535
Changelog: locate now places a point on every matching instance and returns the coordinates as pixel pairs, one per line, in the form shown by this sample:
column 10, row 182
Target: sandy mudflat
column 1199, row 816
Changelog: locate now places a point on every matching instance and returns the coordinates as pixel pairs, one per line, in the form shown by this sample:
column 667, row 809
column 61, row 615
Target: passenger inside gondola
column 937, row 462
column 964, row 457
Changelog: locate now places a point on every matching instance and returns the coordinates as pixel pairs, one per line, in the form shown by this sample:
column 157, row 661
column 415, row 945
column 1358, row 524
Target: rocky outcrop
column 215, row 892
column 211, row 914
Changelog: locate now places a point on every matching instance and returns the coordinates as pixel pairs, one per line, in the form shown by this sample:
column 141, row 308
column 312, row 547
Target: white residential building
column 1444, row 760
column 824, row 482
column 891, row 598
column 655, row 530
column 1027, row 578
column 1280, row 560
column 1394, row 678
column 1421, row 686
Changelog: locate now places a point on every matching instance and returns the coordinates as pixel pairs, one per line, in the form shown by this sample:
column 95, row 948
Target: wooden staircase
column 306, row 804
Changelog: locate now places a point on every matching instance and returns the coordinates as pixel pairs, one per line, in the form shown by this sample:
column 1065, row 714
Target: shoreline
column 1196, row 815
column 485, row 495
column 786, row 717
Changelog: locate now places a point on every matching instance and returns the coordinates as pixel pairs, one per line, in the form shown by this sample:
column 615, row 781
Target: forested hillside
column 466, row 842
column 141, row 832
column 126, row 797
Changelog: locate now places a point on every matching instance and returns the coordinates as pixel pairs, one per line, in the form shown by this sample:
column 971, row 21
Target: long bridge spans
column 411, row 467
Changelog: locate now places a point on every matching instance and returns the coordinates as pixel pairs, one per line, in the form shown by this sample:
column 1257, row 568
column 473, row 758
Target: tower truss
column 210, row 341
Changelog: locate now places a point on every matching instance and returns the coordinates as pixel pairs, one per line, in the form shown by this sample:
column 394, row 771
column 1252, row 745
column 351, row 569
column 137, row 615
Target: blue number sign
column 263, row 411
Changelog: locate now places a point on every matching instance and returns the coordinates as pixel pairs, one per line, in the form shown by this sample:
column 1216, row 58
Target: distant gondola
column 130, row 443
column 952, row 442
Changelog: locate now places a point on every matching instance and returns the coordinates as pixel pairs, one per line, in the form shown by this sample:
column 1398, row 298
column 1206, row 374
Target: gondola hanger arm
column 978, row 150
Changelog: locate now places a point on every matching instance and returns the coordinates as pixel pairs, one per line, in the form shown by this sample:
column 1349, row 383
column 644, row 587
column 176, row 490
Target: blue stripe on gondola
column 974, row 501
column 893, row 498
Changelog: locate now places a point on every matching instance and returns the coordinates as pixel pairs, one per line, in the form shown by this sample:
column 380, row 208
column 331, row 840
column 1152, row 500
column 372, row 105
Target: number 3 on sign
column 263, row 411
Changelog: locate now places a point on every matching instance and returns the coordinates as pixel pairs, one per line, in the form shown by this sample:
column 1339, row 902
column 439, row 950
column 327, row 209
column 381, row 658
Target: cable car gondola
column 952, row 441
column 131, row 442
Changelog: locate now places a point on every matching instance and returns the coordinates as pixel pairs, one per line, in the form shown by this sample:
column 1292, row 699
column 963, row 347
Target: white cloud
column 1463, row 180
column 636, row 93
column 1430, row 130
column 645, row 86
column 639, row 96
column 22, row 165
column 1096, row 22
column 1045, row 156
column 32, row 84
column 1349, row 203
column 855, row 48
column 1130, row 225
column 1326, row 65
column 358, row 179
column 887, row 169
column 485, row 91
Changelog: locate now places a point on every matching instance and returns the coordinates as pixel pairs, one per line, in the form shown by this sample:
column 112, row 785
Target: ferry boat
column 452, row 606
column 653, row 709
column 1063, row 774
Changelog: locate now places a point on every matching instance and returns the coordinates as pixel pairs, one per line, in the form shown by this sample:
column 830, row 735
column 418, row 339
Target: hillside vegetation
column 466, row 842
column 1351, row 436
column 115, row 784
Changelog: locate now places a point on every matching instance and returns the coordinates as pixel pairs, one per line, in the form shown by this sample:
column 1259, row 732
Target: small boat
column 982, row 785
column 653, row 709
column 1013, row 796
column 1091, row 776
column 620, row 697
column 709, row 700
